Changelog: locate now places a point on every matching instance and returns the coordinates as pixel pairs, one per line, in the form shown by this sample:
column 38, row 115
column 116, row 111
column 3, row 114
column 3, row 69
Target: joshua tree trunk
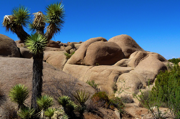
column 22, row 35
column 37, row 79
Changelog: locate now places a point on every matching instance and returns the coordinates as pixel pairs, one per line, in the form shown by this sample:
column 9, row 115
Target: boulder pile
column 119, row 65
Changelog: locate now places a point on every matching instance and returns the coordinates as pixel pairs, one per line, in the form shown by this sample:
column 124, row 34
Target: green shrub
column 117, row 102
column 166, row 91
column 49, row 112
column 44, row 102
column 19, row 93
column 63, row 100
column 81, row 96
column 26, row 113
column 166, row 83
column 68, row 55
column 68, row 105
column 93, row 84
column 101, row 99
column 174, row 60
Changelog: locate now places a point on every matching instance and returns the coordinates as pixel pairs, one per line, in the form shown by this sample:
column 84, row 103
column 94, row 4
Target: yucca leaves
column 63, row 100
column 49, row 112
column 22, row 16
column 81, row 96
column 54, row 18
column 26, row 113
column 55, row 13
column 44, row 102
column 36, row 43
column 19, row 93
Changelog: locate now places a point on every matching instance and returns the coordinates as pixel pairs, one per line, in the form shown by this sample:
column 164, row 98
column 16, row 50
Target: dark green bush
column 116, row 102
column 167, row 89
column 174, row 60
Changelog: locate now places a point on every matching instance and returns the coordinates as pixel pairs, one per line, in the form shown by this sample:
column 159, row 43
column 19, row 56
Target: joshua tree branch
column 22, row 35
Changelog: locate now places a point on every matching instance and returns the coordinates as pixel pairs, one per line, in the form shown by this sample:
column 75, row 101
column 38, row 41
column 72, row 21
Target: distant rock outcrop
column 134, row 72
column 8, row 47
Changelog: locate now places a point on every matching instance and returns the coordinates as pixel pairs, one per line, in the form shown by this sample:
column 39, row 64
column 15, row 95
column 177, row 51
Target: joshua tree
column 21, row 17
column 36, row 43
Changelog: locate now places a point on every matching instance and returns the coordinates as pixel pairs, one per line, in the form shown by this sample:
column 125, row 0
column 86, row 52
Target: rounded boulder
column 103, row 53
column 8, row 47
column 126, row 43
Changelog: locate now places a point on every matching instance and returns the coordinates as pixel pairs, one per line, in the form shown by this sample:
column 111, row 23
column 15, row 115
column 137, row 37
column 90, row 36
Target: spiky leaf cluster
column 22, row 16
column 66, row 102
column 49, row 112
column 54, row 16
column 44, row 102
column 19, row 94
column 36, row 43
column 26, row 113
column 81, row 96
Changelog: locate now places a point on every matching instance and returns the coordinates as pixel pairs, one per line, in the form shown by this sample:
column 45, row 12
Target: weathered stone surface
column 52, row 49
column 53, row 44
column 144, row 72
column 103, row 53
column 55, row 58
column 78, row 57
column 8, row 47
column 126, row 43
column 122, row 63
column 25, row 53
column 19, row 71
column 104, row 76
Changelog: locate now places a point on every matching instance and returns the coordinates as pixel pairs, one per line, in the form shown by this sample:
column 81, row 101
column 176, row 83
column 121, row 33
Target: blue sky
column 153, row 24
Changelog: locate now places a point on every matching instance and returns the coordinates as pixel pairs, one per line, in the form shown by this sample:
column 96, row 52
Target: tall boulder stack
column 127, row 44
column 8, row 47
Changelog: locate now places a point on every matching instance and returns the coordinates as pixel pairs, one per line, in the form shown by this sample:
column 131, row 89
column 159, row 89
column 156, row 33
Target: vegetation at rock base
column 68, row 55
column 174, row 60
column 166, row 92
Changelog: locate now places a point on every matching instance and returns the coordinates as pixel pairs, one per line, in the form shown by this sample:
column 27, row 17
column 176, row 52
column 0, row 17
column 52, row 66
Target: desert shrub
column 166, row 83
column 68, row 56
column 100, row 99
column 174, row 60
column 166, row 92
column 93, row 84
column 117, row 103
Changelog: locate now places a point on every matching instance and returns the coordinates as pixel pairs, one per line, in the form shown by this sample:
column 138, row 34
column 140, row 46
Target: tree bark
column 37, row 79
column 22, row 35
